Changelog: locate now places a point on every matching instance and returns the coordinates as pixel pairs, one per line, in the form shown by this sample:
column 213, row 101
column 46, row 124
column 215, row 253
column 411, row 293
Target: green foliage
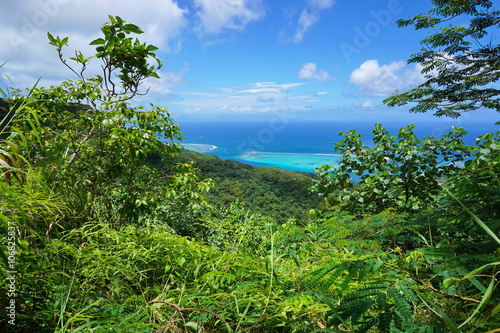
column 184, row 203
column 110, row 229
column 98, row 154
column 477, row 187
column 433, row 250
column 266, row 191
column 479, row 183
column 459, row 60
column 105, row 277
column 402, row 172
column 371, row 295
column 417, row 291
column 119, row 53
column 235, row 230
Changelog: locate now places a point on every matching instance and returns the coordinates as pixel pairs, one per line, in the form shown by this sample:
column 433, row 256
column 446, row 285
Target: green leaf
column 98, row 41
column 474, row 272
column 486, row 296
column 475, row 218
column 51, row 38
column 151, row 48
column 132, row 28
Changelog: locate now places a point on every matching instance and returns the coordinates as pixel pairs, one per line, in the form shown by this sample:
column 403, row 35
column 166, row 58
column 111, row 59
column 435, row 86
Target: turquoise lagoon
column 287, row 161
column 300, row 145
column 291, row 161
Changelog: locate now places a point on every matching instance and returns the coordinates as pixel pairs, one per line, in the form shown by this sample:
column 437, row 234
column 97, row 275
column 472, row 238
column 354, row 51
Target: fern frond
column 384, row 322
column 403, row 309
column 353, row 272
column 319, row 273
column 218, row 279
column 436, row 254
column 408, row 293
column 370, row 267
column 463, row 272
column 370, row 290
column 334, row 272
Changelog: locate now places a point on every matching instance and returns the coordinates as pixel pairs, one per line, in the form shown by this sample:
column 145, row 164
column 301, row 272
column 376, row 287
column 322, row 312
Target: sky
column 237, row 59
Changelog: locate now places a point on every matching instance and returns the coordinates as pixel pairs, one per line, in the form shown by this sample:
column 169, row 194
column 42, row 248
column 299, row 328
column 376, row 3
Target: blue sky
column 239, row 59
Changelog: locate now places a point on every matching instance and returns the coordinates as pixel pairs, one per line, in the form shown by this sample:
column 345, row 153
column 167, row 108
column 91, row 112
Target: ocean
column 300, row 145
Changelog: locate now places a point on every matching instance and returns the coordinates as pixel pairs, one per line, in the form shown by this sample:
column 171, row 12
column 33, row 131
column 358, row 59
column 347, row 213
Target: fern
column 435, row 253
column 359, row 310
column 354, row 269
column 371, row 295
column 408, row 293
column 369, row 267
column 332, row 271
column 402, row 306
column 384, row 321
column 217, row 279
column 340, row 316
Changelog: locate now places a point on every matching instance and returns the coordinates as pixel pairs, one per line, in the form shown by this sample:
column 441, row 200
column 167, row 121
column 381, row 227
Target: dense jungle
column 108, row 225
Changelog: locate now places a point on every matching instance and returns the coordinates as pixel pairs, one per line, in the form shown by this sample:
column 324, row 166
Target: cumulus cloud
column 23, row 36
column 371, row 79
column 85, row 17
column 162, row 88
column 218, row 15
column 311, row 72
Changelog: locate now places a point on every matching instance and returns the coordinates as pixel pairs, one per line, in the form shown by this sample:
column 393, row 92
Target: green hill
column 273, row 192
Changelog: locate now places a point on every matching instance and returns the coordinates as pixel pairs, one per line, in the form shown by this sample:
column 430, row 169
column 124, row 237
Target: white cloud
column 160, row 20
column 235, row 109
column 321, row 4
column 374, row 80
column 309, row 16
column 367, row 105
column 310, row 72
column 270, row 87
column 258, row 98
column 306, row 20
column 161, row 89
column 217, row 15
column 23, row 36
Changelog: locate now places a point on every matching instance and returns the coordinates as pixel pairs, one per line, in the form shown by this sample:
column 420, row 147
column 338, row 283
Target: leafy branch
column 123, row 58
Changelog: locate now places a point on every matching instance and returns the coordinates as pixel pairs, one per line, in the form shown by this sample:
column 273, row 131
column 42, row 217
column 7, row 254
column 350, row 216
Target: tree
column 461, row 63
column 125, row 61
column 96, row 148
column 400, row 172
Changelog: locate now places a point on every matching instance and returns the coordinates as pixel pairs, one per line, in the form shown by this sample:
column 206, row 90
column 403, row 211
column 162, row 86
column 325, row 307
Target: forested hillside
column 272, row 192
column 107, row 225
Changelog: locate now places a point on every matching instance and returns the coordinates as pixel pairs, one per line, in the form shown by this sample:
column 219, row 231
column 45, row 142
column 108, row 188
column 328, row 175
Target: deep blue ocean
column 300, row 145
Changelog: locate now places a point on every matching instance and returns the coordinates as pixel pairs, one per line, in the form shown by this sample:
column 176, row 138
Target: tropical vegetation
column 107, row 225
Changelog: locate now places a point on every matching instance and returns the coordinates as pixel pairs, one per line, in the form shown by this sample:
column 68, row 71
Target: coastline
column 301, row 145
column 199, row 147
